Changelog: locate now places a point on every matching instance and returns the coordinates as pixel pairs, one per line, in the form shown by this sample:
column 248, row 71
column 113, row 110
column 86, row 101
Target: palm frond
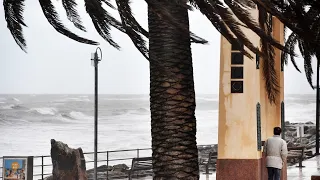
column 283, row 60
column 290, row 43
column 13, row 14
column 108, row 3
column 128, row 18
column 244, row 16
column 288, row 20
column 231, row 22
column 132, row 27
column 53, row 18
column 102, row 21
column 307, row 56
column 269, row 72
column 211, row 14
column 72, row 13
column 246, row 3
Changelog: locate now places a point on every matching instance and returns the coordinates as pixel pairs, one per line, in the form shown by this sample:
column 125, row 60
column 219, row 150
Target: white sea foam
column 10, row 106
column 79, row 115
column 45, row 110
column 16, row 99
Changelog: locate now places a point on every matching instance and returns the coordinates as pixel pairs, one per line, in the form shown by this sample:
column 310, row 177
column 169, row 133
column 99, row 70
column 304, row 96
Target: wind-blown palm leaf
column 246, row 3
column 302, row 17
column 308, row 48
column 72, row 13
column 290, row 43
column 244, row 16
column 290, row 22
column 132, row 27
column 53, row 18
column 307, row 62
column 228, row 18
column 224, row 20
column 269, row 72
column 217, row 22
column 102, row 20
column 292, row 16
column 13, row 14
column 107, row 2
column 127, row 17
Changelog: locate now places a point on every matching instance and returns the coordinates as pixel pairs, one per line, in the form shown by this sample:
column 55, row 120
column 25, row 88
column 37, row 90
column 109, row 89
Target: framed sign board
column 17, row 168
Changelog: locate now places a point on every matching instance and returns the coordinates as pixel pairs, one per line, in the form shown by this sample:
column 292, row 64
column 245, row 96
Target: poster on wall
column 15, row 168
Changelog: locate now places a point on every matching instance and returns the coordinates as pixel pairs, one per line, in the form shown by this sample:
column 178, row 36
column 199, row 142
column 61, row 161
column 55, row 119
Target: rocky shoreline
column 121, row 171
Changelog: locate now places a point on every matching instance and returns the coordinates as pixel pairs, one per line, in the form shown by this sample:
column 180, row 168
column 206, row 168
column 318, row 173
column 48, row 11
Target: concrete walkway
column 312, row 167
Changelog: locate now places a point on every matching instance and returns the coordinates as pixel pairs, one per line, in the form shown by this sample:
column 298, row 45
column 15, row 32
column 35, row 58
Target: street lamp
column 317, row 111
column 95, row 59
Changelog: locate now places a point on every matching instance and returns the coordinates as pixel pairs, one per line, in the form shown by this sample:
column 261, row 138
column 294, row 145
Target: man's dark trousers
column 273, row 173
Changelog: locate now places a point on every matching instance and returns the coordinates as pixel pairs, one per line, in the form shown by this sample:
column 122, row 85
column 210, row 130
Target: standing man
column 276, row 151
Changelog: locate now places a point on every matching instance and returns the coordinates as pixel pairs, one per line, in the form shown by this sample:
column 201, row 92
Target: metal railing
column 42, row 168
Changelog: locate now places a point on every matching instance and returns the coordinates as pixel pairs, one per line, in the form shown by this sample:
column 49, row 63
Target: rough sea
column 28, row 122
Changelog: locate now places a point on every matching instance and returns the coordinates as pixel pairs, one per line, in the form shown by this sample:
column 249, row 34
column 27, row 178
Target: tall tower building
column 246, row 117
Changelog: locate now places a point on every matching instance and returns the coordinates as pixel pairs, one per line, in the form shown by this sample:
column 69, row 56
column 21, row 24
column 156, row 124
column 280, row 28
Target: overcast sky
column 56, row 64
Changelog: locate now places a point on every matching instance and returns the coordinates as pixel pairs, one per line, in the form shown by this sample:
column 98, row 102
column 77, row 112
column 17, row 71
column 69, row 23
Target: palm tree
column 172, row 95
column 303, row 18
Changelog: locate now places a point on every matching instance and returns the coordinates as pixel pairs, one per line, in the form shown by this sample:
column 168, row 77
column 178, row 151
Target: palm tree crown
column 224, row 16
column 303, row 18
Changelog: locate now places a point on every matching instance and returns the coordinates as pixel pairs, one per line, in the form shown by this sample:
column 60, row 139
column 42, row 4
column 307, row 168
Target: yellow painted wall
column 237, row 111
column 271, row 115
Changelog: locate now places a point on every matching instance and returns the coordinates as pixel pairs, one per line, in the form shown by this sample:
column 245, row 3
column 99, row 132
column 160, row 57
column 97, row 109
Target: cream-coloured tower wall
column 237, row 111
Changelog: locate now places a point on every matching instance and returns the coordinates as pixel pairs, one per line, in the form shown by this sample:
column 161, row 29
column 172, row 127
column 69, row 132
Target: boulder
column 103, row 168
column 311, row 130
column 68, row 163
column 120, row 168
column 290, row 144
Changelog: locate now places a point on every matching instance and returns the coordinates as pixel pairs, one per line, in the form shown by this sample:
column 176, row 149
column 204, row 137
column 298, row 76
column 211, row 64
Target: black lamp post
column 317, row 111
column 95, row 59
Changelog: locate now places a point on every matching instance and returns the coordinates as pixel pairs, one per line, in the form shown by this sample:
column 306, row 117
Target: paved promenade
column 312, row 167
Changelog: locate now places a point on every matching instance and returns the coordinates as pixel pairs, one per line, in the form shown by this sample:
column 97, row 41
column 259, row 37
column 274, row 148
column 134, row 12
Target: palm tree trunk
column 172, row 96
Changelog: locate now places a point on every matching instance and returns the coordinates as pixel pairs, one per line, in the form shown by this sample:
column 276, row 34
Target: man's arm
column 265, row 148
column 284, row 151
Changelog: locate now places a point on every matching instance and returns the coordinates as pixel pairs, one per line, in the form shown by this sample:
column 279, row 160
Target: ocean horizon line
column 124, row 94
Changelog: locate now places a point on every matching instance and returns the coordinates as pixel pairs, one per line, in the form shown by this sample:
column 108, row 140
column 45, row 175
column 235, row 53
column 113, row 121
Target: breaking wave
column 75, row 115
column 12, row 106
column 44, row 111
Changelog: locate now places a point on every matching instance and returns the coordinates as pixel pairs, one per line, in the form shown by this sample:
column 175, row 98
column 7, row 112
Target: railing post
column 107, row 165
column 207, row 168
column 301, row 158
column 42, row 167
column 137, row 153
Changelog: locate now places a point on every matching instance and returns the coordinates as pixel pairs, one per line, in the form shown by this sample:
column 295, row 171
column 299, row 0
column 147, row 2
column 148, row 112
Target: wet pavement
column 312, row 167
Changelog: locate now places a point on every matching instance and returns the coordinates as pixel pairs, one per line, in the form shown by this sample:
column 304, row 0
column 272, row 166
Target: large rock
column 311, row 130
column 68, row 163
